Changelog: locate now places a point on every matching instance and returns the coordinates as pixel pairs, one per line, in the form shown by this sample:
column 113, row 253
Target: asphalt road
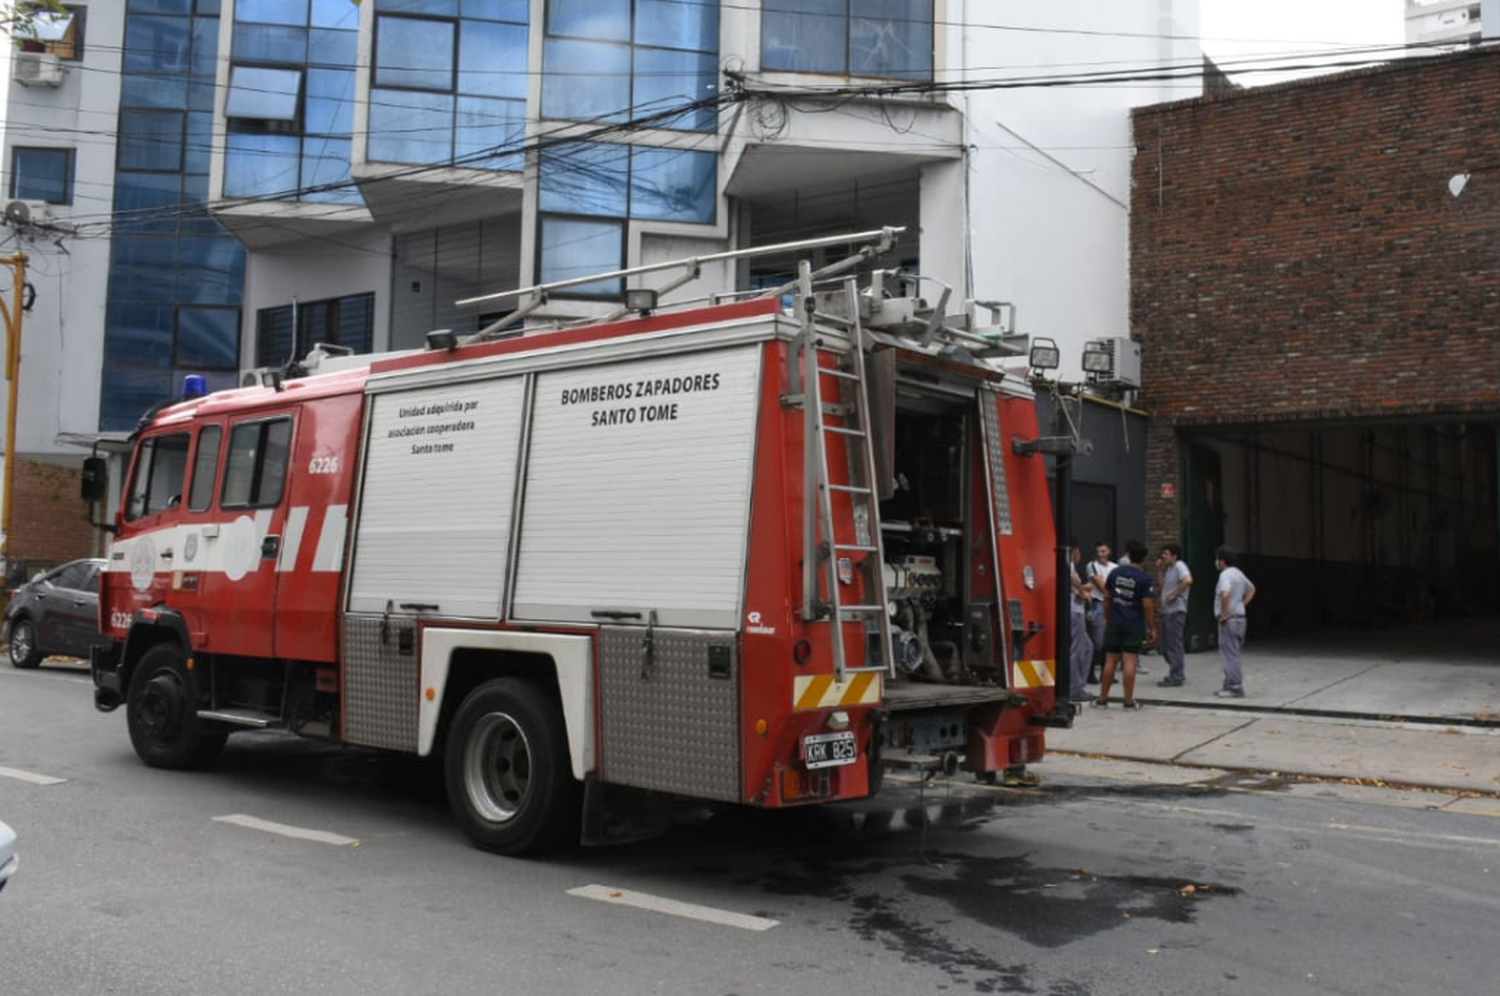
column 135, row 881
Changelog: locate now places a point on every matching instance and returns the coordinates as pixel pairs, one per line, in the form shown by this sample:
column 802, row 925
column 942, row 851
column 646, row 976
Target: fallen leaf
column 1188, row 890
column 615, row 893
column 1125, row 915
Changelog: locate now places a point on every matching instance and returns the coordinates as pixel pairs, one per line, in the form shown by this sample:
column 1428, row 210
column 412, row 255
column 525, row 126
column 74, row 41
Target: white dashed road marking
column 671, row 907
column 286, row 830
column 30, row 776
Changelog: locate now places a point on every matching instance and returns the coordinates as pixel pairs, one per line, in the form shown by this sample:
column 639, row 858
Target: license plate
column 827, row 750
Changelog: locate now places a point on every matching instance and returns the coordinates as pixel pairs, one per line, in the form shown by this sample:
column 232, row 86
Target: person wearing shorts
column 1129, row 622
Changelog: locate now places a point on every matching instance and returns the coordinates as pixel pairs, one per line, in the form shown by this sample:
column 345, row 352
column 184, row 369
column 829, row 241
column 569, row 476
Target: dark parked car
column 56, row 613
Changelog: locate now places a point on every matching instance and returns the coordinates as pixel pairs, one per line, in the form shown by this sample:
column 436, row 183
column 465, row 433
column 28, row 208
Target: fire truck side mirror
column 94, row 481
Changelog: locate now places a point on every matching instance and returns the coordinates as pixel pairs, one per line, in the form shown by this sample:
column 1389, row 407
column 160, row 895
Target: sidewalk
column 1415, row 706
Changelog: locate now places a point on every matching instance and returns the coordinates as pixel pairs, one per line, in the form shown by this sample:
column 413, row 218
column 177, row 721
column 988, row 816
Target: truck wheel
column 23, row 651
column 162, row 713
column 506, row 766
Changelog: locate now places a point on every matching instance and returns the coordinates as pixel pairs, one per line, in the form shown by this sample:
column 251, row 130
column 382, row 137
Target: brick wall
column 1296, row 255
column 49, row 520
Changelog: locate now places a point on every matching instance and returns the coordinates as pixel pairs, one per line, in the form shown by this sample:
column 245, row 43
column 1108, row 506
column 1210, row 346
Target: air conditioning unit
column 37, row 69
column 26, row 214
column 1113, row 362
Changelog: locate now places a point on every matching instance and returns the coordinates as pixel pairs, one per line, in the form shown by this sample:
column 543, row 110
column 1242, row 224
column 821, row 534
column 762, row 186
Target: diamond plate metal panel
column 380, row 684
column 989, row 411
column 671, row 724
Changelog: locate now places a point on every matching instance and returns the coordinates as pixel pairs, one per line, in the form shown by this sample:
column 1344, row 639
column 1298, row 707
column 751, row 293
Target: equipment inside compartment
column 923, row 525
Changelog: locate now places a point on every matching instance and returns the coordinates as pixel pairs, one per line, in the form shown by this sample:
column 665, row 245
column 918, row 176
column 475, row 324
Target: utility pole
column 11, row 311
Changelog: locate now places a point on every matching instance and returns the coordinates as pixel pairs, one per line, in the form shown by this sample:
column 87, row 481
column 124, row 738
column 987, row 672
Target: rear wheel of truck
column 509, row 781
column 162, row 713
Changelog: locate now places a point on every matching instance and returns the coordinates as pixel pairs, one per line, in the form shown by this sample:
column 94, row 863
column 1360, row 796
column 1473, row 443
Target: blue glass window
column 143, row 268
column 160, row 192
column 259, row 165
column 330, row 102
column 586, row 80
column 325, row 163
column 601, row 20
column 576, row 247
column 470, row 58
column 127, row 393
column 334, row 48
column 517, row 11
column 263, row 94
column 146, row 202
column 140, row 335
column 161, row 6
column 408, row 127
column 139, row 90
column 270, row 43
column 441, row 8
column 42, row 174
column 208, row 337
column 271, row 11
column 485, row 128
column 200, row 142
column 205, row 33
column 673, row 185
column 667, row 79
column 891, row 38
column 685, row 24
column 414, row 53
column 874, row 38
column 600, row 63
column 586, row 178
column 157, row 45
column 211, row 269
column 492, row 59
column 337, row 14
column 151, row 140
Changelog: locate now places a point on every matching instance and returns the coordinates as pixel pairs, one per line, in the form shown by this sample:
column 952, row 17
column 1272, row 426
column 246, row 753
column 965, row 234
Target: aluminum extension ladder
column 823, row 553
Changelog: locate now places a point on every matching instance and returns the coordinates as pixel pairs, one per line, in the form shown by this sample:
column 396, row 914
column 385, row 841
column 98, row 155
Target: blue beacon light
column 194, row 386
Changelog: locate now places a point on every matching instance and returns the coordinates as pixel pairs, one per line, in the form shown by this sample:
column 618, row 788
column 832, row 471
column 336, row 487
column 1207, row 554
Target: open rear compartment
column 950, row 681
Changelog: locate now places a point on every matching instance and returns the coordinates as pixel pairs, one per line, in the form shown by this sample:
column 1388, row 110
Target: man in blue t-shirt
column 1129, row 621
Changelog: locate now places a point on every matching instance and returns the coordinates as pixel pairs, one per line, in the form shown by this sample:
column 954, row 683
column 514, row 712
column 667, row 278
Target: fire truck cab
column 753, row 553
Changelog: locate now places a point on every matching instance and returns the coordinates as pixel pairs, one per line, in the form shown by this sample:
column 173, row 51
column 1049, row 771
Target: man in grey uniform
column 1176, row 579
column 1232, row 595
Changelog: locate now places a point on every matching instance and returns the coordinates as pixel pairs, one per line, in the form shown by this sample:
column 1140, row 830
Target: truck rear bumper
column 104, row 664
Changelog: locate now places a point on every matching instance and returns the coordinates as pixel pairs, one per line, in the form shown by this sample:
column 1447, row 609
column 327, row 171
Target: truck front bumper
column 104, row 664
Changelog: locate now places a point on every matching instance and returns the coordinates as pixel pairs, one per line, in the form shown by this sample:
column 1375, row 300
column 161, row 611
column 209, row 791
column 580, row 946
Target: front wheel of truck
column 162, row 713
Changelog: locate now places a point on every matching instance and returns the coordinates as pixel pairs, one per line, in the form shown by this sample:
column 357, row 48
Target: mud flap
column 618, row 814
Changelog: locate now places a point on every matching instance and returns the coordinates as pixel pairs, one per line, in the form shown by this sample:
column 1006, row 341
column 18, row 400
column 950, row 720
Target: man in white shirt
column 1176, row 579
column 1232, row 595
column 1097, row 572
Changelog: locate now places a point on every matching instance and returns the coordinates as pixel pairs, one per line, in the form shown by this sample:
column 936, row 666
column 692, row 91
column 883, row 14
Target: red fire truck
column 754, row 552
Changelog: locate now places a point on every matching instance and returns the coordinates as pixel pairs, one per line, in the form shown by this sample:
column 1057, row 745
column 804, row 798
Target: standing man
column 1176, row 579
column 1083, row 647
column 1233, row 594
column 1129, row 621
column 1097, row 572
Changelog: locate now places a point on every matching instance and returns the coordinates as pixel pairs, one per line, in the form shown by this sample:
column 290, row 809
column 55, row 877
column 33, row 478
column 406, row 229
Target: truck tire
column 162, row 713
column 23, row 649
column 509, row 781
